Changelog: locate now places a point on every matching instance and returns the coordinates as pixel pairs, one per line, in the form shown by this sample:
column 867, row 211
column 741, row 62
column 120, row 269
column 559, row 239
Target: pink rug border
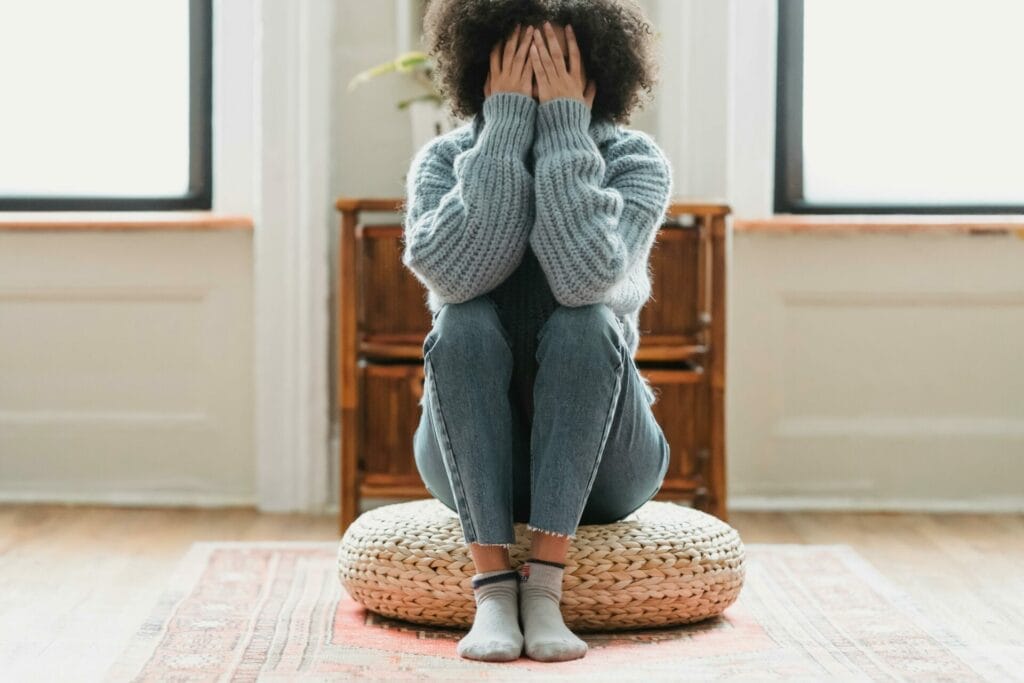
column 189, row 568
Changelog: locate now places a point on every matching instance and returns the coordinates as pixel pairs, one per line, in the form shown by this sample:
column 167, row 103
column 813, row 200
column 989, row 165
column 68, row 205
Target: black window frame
column 200, row 189
column 788, row 190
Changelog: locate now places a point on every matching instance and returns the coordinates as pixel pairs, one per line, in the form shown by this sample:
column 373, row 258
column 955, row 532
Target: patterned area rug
column 276, row 611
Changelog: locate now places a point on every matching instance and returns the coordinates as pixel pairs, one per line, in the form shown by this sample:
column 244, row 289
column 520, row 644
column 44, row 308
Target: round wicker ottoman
column 662, row 565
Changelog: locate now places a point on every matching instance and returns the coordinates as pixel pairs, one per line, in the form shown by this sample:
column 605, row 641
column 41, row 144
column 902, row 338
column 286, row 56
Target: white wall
column 126, row 367
column 877, row 371
column 865, row 371
column 126, row 357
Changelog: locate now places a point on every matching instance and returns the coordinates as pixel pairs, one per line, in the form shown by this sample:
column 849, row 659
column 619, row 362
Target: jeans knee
column 588, row 331
column 467, row 330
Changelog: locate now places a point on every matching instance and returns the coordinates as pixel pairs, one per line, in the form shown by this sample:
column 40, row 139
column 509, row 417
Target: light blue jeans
column 591, row 453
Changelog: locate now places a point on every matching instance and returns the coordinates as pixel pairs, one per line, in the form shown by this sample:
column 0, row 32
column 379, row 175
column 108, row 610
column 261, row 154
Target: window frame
column 788, row 185
column 199, row 195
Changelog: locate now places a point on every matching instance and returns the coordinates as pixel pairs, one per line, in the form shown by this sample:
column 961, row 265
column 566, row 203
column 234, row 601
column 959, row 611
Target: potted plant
column 428, row 114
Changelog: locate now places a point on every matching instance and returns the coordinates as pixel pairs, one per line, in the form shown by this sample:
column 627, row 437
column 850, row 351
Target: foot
column 546, row 637
column 495, row 635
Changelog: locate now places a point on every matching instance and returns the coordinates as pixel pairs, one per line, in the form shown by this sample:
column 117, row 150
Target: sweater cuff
column 563, row 123
column 509, row 120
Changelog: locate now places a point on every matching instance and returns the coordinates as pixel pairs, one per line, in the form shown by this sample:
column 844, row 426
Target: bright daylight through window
column 913, row 103
column 105, row 104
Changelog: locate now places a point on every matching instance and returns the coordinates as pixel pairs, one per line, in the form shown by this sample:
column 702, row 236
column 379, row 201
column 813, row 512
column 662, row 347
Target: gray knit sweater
column 537, row 205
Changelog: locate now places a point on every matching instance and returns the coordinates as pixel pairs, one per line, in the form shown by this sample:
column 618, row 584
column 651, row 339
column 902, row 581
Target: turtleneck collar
column 601, row 129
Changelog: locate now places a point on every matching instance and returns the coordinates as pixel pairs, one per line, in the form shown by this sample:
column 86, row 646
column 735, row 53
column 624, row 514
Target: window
column 107, row 105
column 915, row 106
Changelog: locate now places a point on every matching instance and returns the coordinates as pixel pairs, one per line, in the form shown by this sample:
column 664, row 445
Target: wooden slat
column 379, row 230
column 397, row 350
column 357, row 204
column 673, row 375
column 403, row 347
column 676, row 207
column 653, row 352
column 371, row 490
column 683, row 207
column 672, row 489
column 703, row 275
column 716, row 465
column 347, row 387
column 675, row 489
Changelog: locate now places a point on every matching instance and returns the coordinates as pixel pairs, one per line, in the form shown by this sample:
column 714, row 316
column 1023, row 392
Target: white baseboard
column 736, row 503
column 1009, row 505
column 1003, row 505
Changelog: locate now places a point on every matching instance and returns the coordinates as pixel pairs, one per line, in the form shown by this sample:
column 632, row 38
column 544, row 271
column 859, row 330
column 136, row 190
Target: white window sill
column 102, row 221
column 1003, row 224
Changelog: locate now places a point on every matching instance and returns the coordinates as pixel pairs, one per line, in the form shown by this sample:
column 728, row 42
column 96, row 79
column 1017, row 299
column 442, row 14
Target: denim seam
column 445, row 443
column 644, row 386
column 512, row 495
column 603, row 444
column 619, row 374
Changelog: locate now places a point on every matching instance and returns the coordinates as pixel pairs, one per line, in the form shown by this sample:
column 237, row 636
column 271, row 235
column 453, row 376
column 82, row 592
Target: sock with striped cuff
column 545, row 634
column 495, row 635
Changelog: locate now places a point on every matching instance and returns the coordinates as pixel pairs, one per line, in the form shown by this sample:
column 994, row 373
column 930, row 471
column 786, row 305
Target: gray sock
column 495, row 635
column 546, row 636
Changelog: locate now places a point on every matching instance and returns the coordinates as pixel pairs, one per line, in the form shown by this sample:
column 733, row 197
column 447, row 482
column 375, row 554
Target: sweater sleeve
column 595, row 220
column 469, row 212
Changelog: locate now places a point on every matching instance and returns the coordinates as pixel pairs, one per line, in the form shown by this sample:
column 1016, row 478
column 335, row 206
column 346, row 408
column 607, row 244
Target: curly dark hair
column 614, row 36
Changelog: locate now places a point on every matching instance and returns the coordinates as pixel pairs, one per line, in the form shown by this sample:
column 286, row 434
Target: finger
column 575, row 63
column 538, row 66
column 554, row 49
column 495, row 61
column 528, row 74
column 544, row 56
column 520, row 60
column 539, row 74
column 510, row 49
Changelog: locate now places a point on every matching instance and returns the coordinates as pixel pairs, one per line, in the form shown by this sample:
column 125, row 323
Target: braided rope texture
column 663, row 565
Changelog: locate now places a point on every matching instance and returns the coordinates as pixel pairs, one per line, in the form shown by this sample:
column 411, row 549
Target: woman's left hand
column 554, row 79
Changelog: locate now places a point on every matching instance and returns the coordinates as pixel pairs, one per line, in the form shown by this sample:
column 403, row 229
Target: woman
column 531, row 229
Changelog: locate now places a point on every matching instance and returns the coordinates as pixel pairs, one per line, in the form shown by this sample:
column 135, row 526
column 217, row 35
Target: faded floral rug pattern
column 277, row 612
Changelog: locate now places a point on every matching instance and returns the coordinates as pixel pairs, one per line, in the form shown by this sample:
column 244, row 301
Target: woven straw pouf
column 662, row 565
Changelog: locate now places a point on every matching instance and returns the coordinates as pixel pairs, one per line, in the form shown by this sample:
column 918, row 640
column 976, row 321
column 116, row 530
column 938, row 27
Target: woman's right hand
column 510, row 70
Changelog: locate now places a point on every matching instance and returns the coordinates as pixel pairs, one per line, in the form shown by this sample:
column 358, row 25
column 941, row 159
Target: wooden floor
column 75, row 582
